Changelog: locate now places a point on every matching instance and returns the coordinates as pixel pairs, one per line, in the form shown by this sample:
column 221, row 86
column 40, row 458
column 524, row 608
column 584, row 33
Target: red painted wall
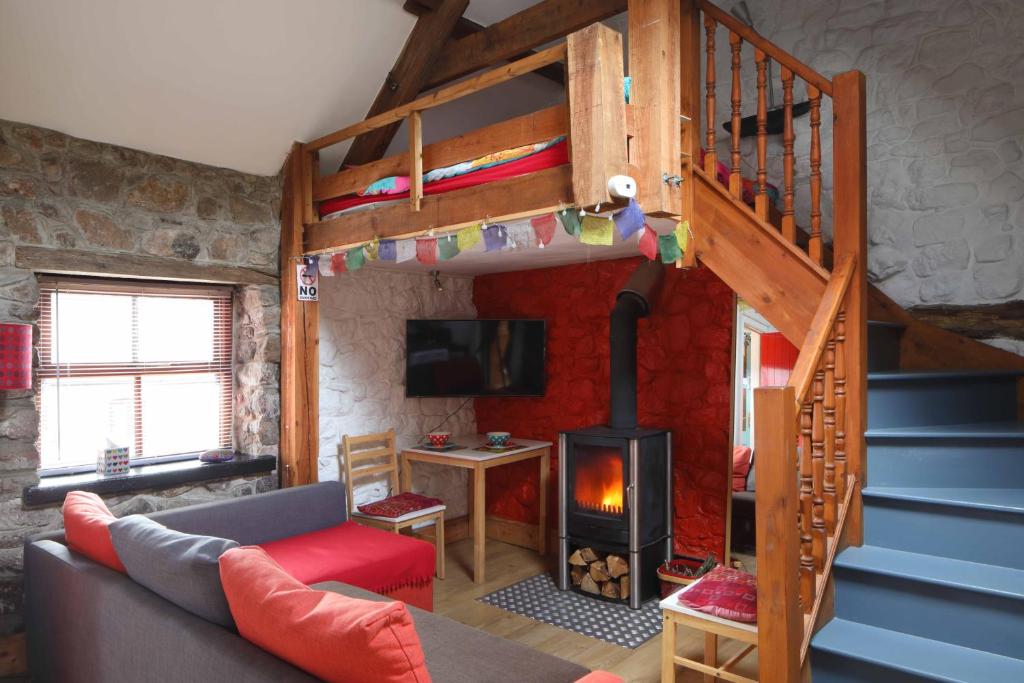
column 778, row 357
column 685, row 357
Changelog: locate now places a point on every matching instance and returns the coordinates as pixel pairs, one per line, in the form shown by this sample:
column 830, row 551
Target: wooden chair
column 357, row 450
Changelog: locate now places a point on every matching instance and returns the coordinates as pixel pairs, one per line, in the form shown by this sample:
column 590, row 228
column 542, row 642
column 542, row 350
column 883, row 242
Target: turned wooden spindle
column 788, row 222
column 761, row 196
column 710, row 155
column 818, row 471
column 806, row 494
column 814, row 244
column 735, row 178
column 840, row 384
column 829, row 408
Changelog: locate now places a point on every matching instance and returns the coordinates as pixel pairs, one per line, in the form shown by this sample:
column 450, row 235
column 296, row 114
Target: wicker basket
column 682, row 571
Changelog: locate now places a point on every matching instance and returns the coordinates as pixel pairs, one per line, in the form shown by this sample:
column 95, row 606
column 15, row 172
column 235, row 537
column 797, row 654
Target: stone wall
column 61, row 192
column 945, row 107
column 362, row 372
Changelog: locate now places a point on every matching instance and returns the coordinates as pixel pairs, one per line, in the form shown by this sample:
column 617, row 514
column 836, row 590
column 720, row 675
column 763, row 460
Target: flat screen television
column 474, row 358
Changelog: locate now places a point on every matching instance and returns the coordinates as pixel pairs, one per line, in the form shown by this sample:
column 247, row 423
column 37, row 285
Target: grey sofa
column 88, row 623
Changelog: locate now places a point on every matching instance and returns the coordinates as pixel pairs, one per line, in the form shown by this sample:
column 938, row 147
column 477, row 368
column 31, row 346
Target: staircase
column 936, row 593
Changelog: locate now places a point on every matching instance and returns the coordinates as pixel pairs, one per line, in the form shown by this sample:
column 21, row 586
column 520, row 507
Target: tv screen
column 474, row 358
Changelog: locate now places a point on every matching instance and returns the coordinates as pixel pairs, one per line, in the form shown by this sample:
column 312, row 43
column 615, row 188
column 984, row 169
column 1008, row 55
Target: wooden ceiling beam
column 408, row 77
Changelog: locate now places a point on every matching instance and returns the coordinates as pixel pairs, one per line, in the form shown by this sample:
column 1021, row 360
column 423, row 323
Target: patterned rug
column 539, row 598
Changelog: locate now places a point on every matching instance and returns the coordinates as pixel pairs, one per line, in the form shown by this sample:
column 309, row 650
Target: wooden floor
column 456, row 596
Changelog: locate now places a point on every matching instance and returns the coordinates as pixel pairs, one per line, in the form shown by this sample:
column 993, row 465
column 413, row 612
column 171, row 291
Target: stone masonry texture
column 57, row 191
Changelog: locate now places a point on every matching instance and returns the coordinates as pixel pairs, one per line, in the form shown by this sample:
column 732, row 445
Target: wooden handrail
column 758, row 41
column 821, row 327
column 446, row 94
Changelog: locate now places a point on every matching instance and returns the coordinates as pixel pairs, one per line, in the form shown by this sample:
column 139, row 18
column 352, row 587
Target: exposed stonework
column 362, row 372
column 62, row 192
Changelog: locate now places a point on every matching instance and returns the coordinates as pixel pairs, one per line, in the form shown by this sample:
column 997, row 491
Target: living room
column 510, row 376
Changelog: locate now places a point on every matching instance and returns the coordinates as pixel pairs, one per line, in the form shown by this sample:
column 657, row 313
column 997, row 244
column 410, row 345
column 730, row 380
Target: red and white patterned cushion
column 724, row 592
column 401, row 504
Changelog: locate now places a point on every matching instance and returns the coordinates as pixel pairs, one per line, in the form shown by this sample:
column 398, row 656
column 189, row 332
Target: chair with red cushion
column 372, row 455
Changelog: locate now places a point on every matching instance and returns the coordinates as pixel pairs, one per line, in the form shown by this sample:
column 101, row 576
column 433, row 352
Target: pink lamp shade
column 15, row 356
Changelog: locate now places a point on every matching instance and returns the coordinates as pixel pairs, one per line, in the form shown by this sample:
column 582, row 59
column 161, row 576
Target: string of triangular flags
column 589, row 228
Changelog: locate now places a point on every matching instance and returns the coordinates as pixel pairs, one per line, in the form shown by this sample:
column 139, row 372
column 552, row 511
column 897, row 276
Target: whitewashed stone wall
column 362, row 372
column 945, row 134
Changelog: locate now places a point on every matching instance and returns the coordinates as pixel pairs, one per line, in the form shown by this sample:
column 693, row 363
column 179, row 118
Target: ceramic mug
column 498, row 439
column 439, row 439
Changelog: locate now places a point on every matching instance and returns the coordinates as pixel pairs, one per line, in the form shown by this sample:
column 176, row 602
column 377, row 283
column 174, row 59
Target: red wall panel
column 685, row 356
column 778, row 357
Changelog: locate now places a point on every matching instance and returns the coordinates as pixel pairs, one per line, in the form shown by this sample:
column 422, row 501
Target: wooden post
column 300, row 334
column 415, row 160
column 597, row 112
column 779, row 618
column 654, row 68
column 849, row 173
column 690, row 106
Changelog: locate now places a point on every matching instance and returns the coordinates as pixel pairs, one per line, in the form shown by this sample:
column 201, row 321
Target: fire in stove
column 598, row 481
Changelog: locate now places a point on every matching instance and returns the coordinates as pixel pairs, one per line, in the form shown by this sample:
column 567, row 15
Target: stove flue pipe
column 633, row 302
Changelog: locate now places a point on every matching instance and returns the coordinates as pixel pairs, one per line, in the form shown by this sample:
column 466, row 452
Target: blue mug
column 498, row 439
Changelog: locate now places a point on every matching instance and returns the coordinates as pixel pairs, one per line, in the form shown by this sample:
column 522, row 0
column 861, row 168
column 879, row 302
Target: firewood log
column 617, row 566
column 589, row 585
column 588, row 554
column 577, row 574
column 599, row 571
column 624, row 587
column 610, row 589
column 577, row 560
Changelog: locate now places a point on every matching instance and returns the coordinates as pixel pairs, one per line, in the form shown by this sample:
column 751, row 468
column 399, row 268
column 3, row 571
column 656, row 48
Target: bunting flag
column 354, row 259
column 649, row 243
column 570, row 221
column 544, row 228
column 405, row 251
column 468, row 237
column 324, row 265
column 372, row 248
column 597, row 230
column 426, row 251
column 448, row 247
column 494, row 238
column 629, row 220
column 521, row 236
column 387, row 250
column 338, row 263
column 668, row 245
column 682, row 233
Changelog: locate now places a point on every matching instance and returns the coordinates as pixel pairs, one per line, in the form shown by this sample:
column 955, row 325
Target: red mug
column 439, row 439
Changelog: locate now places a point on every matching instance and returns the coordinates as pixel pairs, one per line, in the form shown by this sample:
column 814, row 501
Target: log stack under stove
column 604, row 574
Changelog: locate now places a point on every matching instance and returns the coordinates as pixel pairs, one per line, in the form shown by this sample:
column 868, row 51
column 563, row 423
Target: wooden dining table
column 472, row 455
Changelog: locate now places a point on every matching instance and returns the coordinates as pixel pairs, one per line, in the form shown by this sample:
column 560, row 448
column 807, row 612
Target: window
column 140, row 364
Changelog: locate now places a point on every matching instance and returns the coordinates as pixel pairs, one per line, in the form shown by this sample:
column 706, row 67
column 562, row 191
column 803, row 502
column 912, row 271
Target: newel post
column 849, row 159
column 689, row 106
column 779, row 616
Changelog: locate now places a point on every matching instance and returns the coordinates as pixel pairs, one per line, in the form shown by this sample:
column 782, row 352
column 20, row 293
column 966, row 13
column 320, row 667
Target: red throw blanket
column 368, row 558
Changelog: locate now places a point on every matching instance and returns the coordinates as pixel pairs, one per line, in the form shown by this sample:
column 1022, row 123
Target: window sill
column 158, row 476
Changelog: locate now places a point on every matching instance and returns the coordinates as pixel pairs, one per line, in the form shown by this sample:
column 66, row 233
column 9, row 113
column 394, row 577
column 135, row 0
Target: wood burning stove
column 615, row 481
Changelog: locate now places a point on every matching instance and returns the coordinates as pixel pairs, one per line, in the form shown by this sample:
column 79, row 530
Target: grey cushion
column 179, row 567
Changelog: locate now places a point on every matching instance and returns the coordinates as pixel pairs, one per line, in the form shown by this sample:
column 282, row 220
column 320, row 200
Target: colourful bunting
column 468, row 237
column 629, row 220
column 338, row 263
column 570, row 219
column 324, row 265
column 372, row 248
column 354, row 259
column 544, row 228
column 597, row 230
column 494, row 238
column 682, row 233
column 448, row 247
column 649, row 243
column 387, row 250
column 405, row 251
column 668, row 245
column 426, row 251
column 521, row 236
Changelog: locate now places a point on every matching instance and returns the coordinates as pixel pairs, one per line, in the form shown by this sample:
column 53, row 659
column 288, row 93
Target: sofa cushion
column 331, row 636
column 178, row 567
column 86, row 522
column 724, row 592
column 740, row 467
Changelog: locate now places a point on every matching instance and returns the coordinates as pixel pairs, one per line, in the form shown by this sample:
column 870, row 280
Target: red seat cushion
column 740, row 467
column 358, row 555
column 724, row 592
column 332, row 636
column 402, row 504
column 86, row 518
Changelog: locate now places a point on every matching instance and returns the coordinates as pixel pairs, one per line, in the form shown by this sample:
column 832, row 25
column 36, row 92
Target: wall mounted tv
column 474, row 358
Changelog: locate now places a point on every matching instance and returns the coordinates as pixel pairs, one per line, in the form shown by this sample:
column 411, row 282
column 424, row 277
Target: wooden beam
column 78, row 262
column 534, row 26
column 690, row 105
column 978, row 321
column 654, row 68
column 407, row 77
column 597, row 113
column 465, row 27
column 300, row 354
column 504, row 200
column 415, row 155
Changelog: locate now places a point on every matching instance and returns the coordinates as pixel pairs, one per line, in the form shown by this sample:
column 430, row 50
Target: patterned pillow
column 724, row 592
column 399, row 505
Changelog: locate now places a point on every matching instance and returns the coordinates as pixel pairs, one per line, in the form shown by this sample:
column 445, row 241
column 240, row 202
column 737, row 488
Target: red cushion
column 724, row 592
column 402, row 504
column 86, row 518
column 369, row 558
column 333, row 637
column 740, row 467
column 599, row 677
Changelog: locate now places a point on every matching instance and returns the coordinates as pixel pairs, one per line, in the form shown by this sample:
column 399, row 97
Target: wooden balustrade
column 735, row 174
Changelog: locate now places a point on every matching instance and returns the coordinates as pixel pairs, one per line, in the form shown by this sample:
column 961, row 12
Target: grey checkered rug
column 539, row 598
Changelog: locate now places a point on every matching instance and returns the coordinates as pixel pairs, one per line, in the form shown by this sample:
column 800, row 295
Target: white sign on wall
column 307, row 280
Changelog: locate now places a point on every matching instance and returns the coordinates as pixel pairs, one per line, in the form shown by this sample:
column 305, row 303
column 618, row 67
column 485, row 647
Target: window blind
column 141, row 364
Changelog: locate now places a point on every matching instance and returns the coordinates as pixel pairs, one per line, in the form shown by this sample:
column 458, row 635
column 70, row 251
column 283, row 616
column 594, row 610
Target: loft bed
column 529, row 165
